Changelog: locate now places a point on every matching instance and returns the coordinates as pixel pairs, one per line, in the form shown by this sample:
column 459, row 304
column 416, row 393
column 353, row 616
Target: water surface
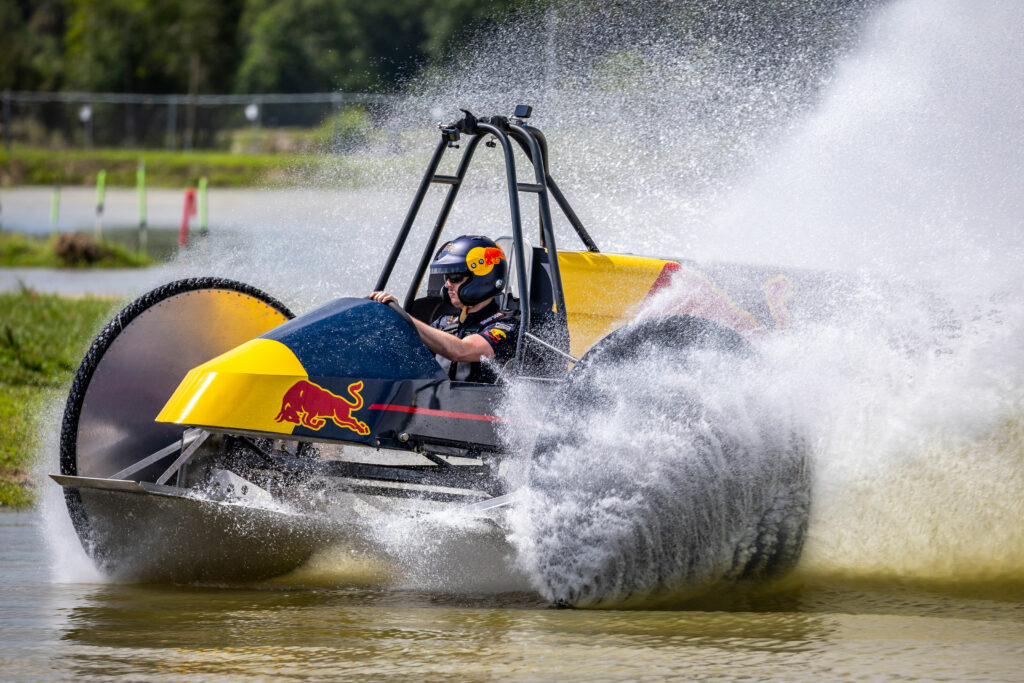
column 86, row 631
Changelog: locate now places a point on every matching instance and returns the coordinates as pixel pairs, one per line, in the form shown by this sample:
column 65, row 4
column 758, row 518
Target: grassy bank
column 42, row 340
column 69, row 250
column 32, row 166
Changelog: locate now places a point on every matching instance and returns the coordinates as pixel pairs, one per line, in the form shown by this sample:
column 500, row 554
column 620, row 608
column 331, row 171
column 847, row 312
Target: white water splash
column 69, row 563
column 908, row 380
column 909, row 168
column 661, row 473
column 899, row 163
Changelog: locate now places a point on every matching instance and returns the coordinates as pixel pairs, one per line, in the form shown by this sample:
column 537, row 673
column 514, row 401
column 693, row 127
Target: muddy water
column 913, row 563
column 54, row 630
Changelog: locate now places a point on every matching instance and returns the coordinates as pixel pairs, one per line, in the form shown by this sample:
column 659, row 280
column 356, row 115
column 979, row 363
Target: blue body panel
column 357, row 338
column 404, row 389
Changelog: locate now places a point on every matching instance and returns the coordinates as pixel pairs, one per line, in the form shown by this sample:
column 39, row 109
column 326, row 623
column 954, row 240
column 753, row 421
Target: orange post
column 187, row 212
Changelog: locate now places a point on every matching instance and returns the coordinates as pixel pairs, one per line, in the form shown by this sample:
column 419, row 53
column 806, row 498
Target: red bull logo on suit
column 496, row 334
column 310, row 405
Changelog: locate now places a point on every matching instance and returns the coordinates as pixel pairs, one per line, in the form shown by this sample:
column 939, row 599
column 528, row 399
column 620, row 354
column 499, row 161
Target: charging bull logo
column 481, row 260
column 310, row 405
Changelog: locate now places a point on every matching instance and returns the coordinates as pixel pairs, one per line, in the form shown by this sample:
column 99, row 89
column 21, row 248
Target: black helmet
column 481, row 259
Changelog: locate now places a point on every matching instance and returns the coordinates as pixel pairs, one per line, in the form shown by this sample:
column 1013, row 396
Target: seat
column 511, row 295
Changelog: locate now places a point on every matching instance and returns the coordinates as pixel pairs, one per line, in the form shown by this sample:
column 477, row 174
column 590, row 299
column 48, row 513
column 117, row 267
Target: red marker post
column 187, row 212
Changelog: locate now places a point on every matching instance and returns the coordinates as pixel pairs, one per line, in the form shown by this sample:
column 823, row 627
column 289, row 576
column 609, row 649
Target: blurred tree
column 319, row 45
column 198, row 46
column 395, row 35
column 32, row 54
column 108, row 49
column 302, row 46
column 448, row 22
column 12, row 34
column 151, row 45
column 322, row 45
column 200, row 38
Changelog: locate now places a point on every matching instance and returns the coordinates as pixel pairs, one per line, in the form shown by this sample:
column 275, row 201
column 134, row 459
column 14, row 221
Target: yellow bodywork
column 243, row 388
column 240, row 389
column 603, row 292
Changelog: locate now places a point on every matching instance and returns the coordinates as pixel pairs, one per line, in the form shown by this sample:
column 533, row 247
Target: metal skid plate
column 148, row 532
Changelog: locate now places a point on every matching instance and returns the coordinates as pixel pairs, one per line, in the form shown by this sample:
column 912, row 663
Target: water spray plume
column 869, row 151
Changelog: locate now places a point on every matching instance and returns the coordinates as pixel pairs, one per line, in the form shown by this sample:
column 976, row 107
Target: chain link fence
column 239, row 123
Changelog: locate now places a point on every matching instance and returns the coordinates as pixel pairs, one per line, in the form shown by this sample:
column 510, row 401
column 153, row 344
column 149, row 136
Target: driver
column 475, row 271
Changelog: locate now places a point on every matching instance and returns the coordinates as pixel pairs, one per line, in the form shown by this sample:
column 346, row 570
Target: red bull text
column 310, row 405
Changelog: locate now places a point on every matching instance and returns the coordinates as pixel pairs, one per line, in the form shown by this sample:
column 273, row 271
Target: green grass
column 42, row 341
column 33, row 166
column 17, row 249
column 21, row 408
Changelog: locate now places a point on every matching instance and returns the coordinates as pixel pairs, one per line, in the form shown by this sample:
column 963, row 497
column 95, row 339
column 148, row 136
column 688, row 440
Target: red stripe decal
column 664, row 278
column 431, row 411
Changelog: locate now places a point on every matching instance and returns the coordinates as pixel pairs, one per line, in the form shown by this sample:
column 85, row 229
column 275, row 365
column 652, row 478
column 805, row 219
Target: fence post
column 129, row 122
column 140, row 185
column 335, row 115
column 172, row 124
column 85, row 116
column 7, row 119
column 254, row 112
column 190, row 122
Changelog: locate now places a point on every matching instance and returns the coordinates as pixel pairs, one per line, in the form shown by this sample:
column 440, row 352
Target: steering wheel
column 397, row 308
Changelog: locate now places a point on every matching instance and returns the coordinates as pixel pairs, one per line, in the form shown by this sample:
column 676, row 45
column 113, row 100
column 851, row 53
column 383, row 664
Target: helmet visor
column 456, row 278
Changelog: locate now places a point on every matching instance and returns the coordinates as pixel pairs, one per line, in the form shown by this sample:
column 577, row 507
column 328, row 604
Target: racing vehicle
column 212, row 435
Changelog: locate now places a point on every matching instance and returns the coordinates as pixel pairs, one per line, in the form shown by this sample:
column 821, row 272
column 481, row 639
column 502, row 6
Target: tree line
column 221, row 46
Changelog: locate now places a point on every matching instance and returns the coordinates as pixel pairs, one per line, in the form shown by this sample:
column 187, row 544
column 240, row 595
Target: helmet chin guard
column 478, row 256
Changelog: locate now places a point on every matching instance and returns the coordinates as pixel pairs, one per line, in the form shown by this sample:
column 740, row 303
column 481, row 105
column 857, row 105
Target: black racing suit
column 499, row 328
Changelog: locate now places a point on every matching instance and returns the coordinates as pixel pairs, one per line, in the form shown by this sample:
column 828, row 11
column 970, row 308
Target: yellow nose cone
column 240, row 389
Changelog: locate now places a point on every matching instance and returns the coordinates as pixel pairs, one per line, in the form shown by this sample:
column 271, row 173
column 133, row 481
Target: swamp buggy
column 211, row 435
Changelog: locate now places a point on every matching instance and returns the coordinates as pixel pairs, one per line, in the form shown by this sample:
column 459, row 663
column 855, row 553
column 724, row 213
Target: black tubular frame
column 533, row 143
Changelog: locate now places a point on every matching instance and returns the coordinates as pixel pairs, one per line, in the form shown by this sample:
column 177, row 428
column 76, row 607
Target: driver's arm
column 470, row 349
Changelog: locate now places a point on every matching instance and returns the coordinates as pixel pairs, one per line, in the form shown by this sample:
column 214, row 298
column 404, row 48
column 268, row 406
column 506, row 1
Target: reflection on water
column 310, row 632
column 796, row 631
column 145, row 631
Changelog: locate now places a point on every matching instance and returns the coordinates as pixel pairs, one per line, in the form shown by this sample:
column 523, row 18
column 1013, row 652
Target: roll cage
column 531, row 140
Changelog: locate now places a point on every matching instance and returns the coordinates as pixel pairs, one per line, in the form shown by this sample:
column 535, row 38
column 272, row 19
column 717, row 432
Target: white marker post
column 55, row 210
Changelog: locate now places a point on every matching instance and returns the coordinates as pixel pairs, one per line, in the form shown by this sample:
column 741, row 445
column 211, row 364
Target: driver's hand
column 383, row 297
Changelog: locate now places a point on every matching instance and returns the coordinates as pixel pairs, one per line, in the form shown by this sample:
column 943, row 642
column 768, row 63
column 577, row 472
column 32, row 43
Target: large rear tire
column 133, row 367
column 725, row 502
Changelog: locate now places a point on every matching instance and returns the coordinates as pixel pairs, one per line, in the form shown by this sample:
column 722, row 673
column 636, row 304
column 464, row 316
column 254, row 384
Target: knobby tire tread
column 100, row 345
